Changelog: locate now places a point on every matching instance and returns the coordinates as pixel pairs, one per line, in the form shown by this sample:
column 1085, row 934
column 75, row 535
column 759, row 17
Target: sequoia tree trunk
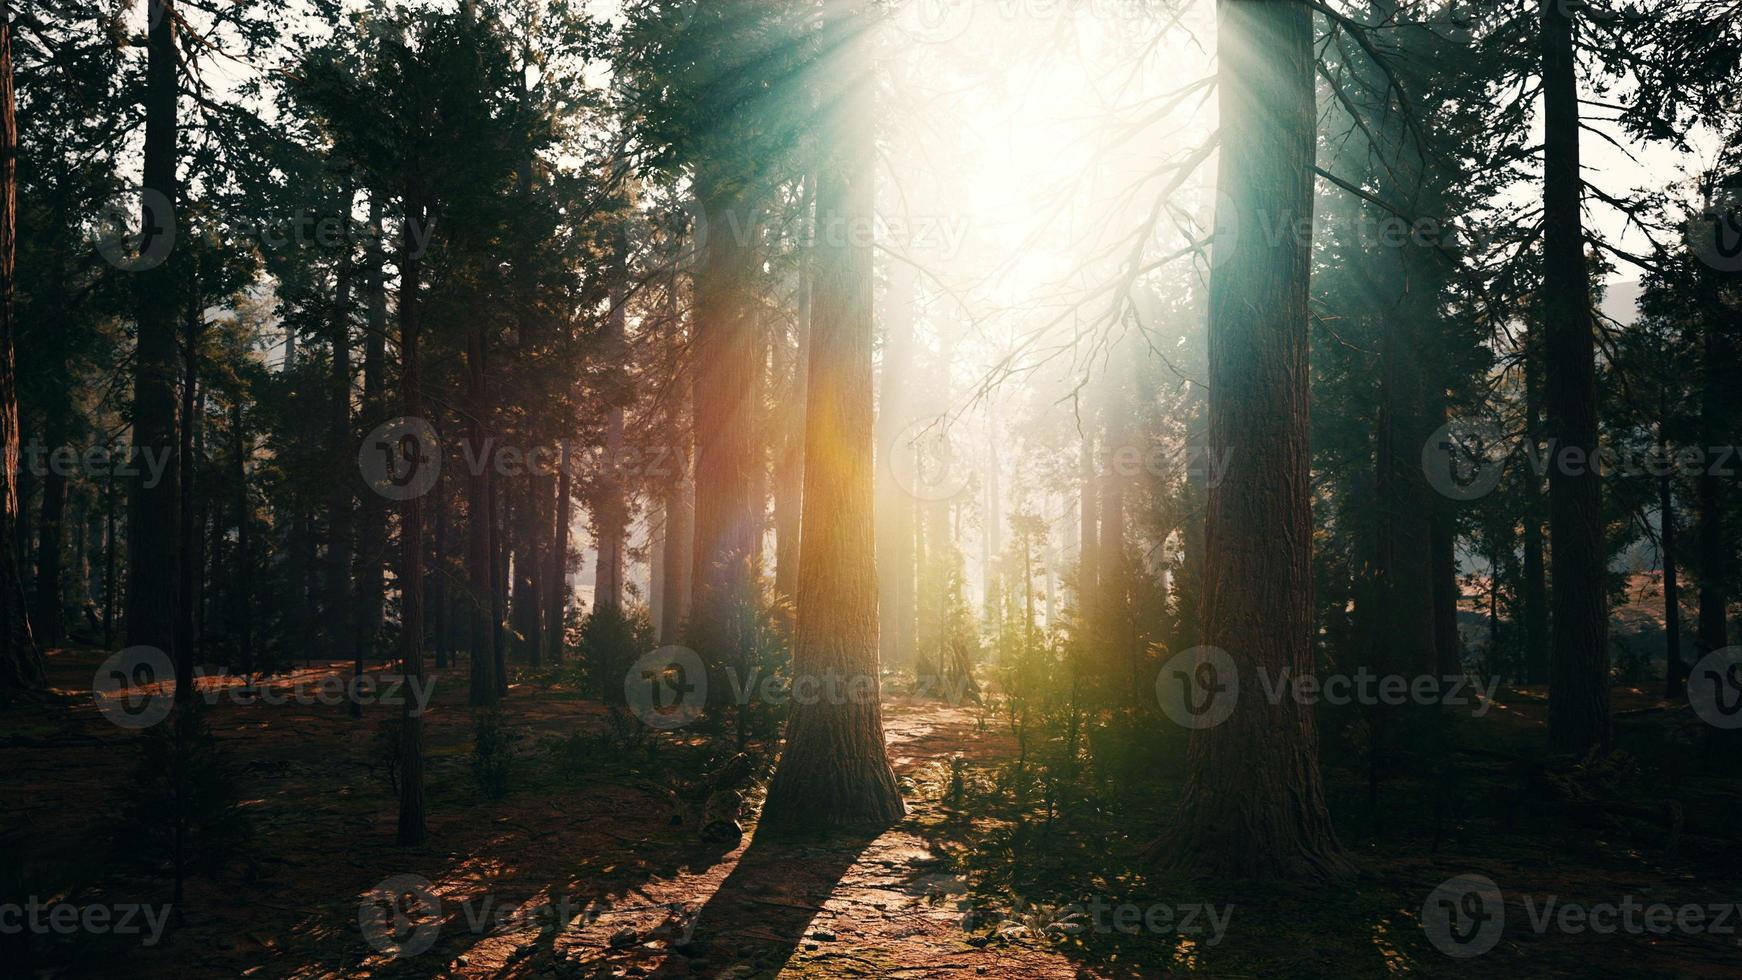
column 20, row 660
column 835, row 770
column 1578, row 705
column 1254, row 804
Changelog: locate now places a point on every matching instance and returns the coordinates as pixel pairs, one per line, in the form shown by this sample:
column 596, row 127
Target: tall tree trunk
column 1675, row 672
column 896, row 507
column 480, row 633
column 1578, row 707
column 243, row 600
column 1534, row 594
column 835, row 770
column 438, row 582
column 497, row 506
column 679, row 550
column 610, row 506
column 556, row 579
column 152, row 575
column 1088, row 523
column 20, row 660
column 411, row 806
column 679, row 500
column 47, row 622
column 528, row 580
column 1253, row 804
column 187, row 527
column 341, row 444
column 789, row 469
column 1718, row 363
column 1406, row 499
column 109, row 585
column 726, row 382
column 372, row 527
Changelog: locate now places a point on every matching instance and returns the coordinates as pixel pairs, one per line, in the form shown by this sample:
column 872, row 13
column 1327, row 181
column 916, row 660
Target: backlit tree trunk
column 411, row 815
column 895, row 505
column 835, row 770
column 152, row 575
column 372, row 526
column 726, row 382
column 1578, row 707
column 341, row 445
column 1254, row 804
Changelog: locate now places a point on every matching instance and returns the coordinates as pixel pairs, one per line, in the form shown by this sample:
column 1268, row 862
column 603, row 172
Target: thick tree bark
column 1254, row 803
column 152, row 575
column 1578, row 710
column 20, row 660
column 835, row 770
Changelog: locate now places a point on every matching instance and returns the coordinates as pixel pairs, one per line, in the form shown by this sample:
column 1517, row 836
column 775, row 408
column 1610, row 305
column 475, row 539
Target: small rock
column 811, row 947
column 823, row 937
column 623, row 938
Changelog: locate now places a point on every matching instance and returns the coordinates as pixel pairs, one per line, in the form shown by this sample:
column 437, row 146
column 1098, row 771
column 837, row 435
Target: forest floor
column 591, row 865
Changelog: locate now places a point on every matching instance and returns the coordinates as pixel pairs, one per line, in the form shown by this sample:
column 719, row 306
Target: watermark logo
column 934, row 21
column 1464, row 916
column 1715, row 688
column 121, row 247
column 401, row 459
column 1715, row 231
column 401, row 916
column 927, row 461
column 1198, row 688
column 1466, row 458
column 667, row 688
column 129, row 687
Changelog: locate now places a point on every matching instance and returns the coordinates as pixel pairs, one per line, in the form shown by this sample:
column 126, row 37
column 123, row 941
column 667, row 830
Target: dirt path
column 597, row 878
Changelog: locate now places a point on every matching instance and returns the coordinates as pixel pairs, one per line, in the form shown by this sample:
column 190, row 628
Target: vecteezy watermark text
column 1200, row 687
column 135, row 688
column 1465, row 916
column 97, row 462
column 35, row 916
